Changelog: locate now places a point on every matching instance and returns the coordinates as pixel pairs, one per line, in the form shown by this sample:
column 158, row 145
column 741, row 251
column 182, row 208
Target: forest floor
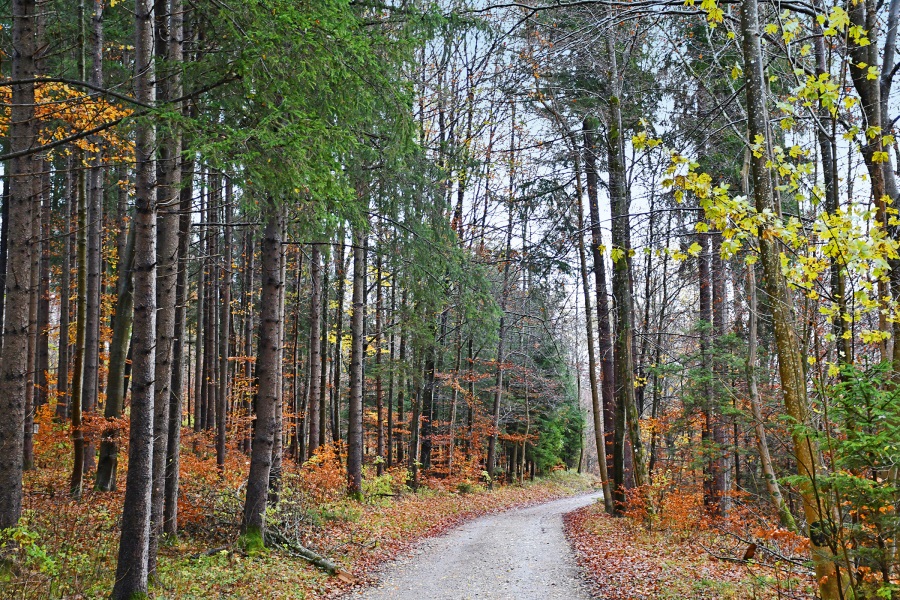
column 517, row 555
column 688, row 558
column 67, row 548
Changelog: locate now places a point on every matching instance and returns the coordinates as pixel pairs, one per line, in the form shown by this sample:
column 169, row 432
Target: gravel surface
column 521, row 554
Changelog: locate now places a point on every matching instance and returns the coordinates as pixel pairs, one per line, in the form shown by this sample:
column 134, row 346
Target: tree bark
column 65, row 292
column 115, row 381
column 793, row 380
column 315, row 354
column 268, row 375
column 357, row 350
column 623, row 348
column 91, row 373
column 604, row 332
column 80, row 316
column 134, row 543
column 597, row 409
column 13, row 359
column 224, row 329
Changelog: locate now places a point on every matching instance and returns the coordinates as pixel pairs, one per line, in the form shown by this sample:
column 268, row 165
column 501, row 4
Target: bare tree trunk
column 13, row 357
column 793, row 380
column 65, row 292
column 35, row 287
column 315, row 354
column 723, row 462
column 389, row 442
column 357, row 349
column 268, row 376
column 185, row 179
column 80, row 315
column 224, row 329
column 596, row 406
column 298, row 442
column 623, row 355
column 710, row 472
column 340, row 275
column 91, row 373
column 200, row 337
column 42, row 359
column 323, row 361
column 278, row 444
column 115, row 381
column 604, row 332
column 765, row 459
column 134, row 543
column 379, row 396
column 401, row 384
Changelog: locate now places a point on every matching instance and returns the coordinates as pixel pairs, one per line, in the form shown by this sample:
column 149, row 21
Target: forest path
column 521, row 554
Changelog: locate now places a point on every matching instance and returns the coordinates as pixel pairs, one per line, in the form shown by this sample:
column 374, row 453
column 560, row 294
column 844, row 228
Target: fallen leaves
column 624, row 562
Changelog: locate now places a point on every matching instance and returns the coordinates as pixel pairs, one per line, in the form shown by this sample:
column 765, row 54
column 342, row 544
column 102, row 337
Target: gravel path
column 516, row 555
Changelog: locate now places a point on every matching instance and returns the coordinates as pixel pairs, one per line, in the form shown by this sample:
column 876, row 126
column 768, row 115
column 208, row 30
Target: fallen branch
column 295, row 549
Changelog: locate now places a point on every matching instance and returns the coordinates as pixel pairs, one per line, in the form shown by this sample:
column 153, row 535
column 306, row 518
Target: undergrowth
column 67, row 549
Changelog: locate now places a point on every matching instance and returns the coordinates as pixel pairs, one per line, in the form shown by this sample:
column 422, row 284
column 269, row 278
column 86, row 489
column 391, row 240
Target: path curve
column 521, row 554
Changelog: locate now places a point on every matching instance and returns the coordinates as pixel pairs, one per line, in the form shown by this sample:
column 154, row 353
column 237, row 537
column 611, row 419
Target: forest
column 289, row 285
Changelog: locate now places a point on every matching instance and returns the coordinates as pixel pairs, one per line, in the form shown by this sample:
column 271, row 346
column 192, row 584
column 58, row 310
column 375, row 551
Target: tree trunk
column 357, row 350
column 793, row 380
column 604, row 332
column 13, row 358
column 115, row 380
column 180, row 338
column 35, row 287
column 80, row 316
column 268, row 376
column 168, row 199
column 765, row 459
column 224, row 329
column 315, row 354
column 91, row 374
column 278, row 441
column 379, row 396
column 623, row 355
column 340, row 275
column 323, row 361
column 131, row 569
column 389, row 442
column 65, row 292
column 42, row 360
column 597, row 410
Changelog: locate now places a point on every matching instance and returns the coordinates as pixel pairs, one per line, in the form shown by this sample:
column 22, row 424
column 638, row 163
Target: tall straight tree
column 357, row 350
column 13, row 358
column 168, row 169
column 315, row 350
column 623, row 356
column 790, row 361
column 604, row 332
column 134, row 541
column 91, row 376
column 268, row 375
column 175, row 49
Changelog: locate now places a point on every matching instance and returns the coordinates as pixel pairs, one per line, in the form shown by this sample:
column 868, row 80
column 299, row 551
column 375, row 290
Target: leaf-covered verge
column 67, row 549
column 683, row 558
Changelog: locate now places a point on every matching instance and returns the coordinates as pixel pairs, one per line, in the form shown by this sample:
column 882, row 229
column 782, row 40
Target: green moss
column 252, row 541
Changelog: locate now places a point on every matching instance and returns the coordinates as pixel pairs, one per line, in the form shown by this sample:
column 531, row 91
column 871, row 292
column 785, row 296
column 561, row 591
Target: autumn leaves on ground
column 663, row 547
column 67, row 548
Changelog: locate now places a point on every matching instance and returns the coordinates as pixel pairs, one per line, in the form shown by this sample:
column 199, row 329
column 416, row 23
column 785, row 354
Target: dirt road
column 516, row 555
